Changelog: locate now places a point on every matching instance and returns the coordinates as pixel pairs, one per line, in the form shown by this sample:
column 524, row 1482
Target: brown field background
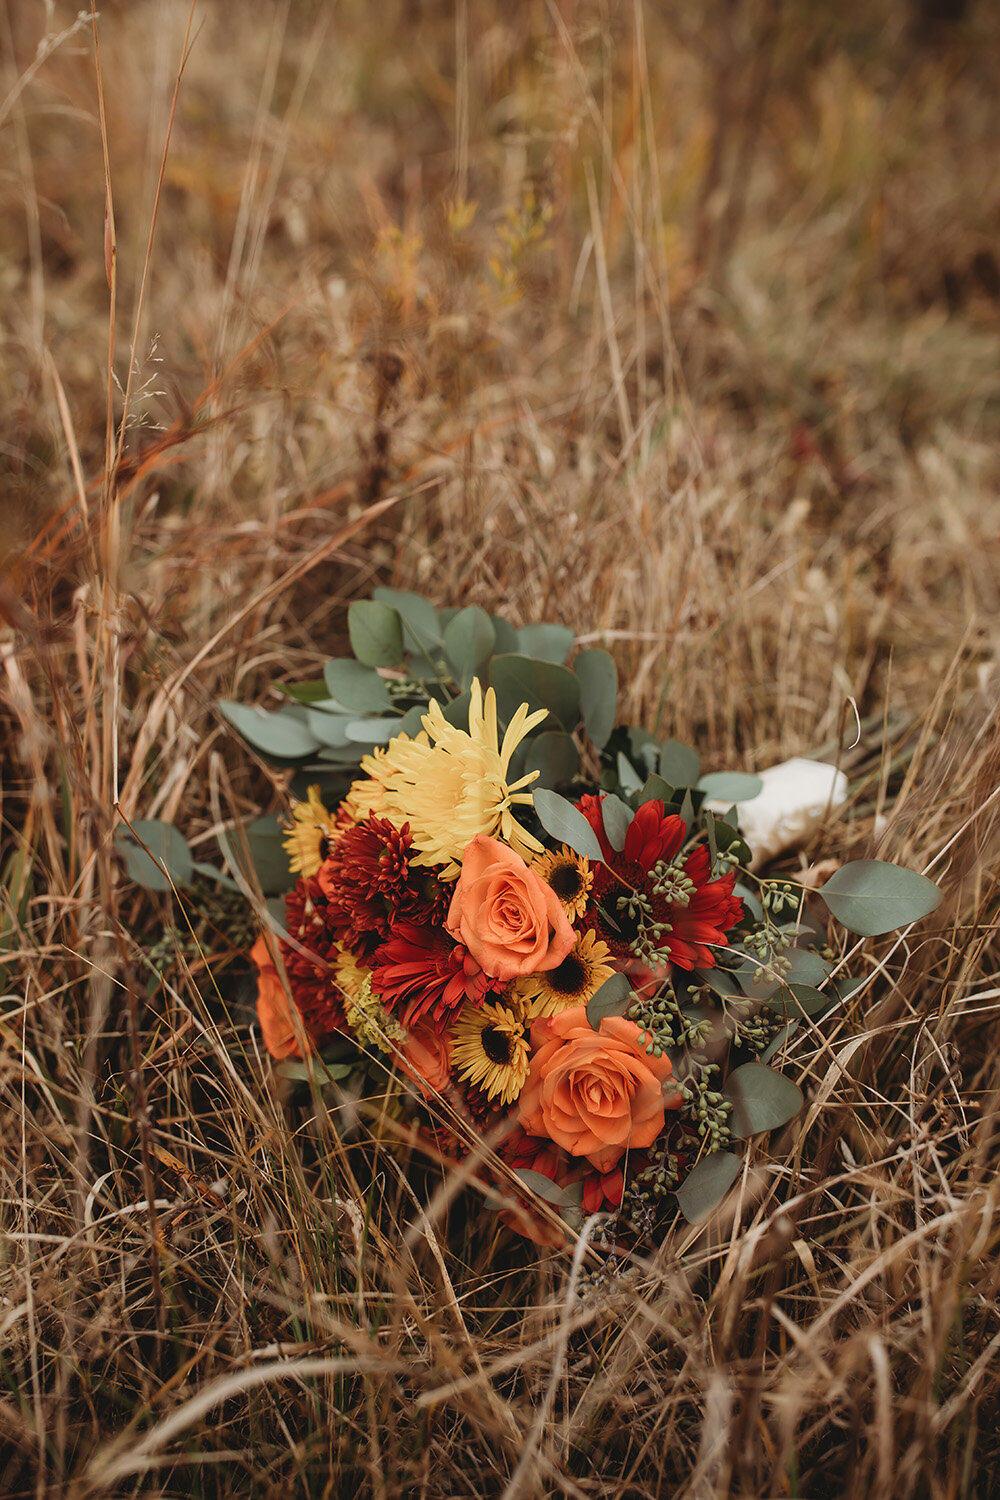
column 676, row 323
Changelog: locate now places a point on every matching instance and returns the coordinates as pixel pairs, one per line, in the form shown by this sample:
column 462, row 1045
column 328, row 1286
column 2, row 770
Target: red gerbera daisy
column 313, row 984
column 421, row 971
column 369, row 882
column 651, row 908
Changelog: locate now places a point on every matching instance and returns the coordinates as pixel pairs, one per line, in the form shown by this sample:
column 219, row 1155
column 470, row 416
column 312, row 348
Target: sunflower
column 449, row 785
column 570, row 876
column 311, row 831
column 573, row 982
column 490, row 1049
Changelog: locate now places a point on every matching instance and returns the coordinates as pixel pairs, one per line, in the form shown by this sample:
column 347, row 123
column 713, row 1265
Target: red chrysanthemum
column 369, row 884
column 687, row 928
column 313, row 984
column 421, row 972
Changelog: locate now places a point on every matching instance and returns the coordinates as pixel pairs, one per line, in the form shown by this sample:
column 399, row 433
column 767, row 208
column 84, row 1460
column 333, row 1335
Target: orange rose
column 426, row 1058
column 274, row 1009
column 509, row 919
column 595, row 1093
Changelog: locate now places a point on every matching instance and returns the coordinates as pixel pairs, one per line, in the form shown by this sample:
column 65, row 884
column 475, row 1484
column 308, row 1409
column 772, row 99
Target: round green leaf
column 617, row 816
column 539, row 684
column 421, row 627
column 778, row 1041
column 598, row 678
column 655, row 789
column 281, row 734
column 469, row 640
column 567, row 825
column 762, row 1099
column 167, row 848
column 329, row 729
column 679, row 764
column 544, row 1187
column 355, row 687
column 707, row 1183
column 731, row 786
column 376, row 632
column 545, row 642
column 628, row 777
column 555, row 756
column 506, row 636
column 870, row 897
column 612, row 998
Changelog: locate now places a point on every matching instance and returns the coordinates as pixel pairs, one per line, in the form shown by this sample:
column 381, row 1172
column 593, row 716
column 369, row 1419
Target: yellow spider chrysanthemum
column 573, row 982
column 312, row 827
column 489, row 1047
column 450, row 785
column 570, row 876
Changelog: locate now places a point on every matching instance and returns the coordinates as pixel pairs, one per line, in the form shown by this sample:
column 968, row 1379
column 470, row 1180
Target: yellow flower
column 366, row 1015
column 570, row 876
column 490, row 1049
column 449, row 785
column 573, row 982
column 311, row 829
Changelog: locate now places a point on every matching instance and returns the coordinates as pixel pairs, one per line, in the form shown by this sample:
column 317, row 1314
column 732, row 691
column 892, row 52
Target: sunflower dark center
column 496, row 1045
column 566, row 881
column 324, row 846
column 570, row 977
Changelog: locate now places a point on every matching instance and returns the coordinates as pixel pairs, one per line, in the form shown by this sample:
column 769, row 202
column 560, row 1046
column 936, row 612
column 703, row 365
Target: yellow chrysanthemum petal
column 450, row 784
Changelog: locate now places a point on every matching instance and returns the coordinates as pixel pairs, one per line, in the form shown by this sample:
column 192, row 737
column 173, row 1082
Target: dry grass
column 708, row 372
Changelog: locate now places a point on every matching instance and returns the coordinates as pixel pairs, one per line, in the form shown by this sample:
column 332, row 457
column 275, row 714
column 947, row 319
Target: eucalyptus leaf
column 315, row 1069
column 655, row 789
column 544, row 1187
column 707, row 1184
column 644, row 749
column 421, row 627
column 506, row 636
column 469, row 640
column 731, row 786
column 210, row 872
column 806, row 967
column 539, row 684
column 376, row 632
column 555, row 756
column 628, row 777
column 167, row 848
column 280, row 734
column 762, row 1099
column 750, row 900
column 356, row 688
column 256, row 851
column 457, row 711
column 567, row 825
column 720, row 981
column 303, row 692
column 870, row 897
column 612, row 998
column 598, row 679
column 679, row 764
column 330, row 729
column 617, row 816
column 545, row 642
column 778, row 1041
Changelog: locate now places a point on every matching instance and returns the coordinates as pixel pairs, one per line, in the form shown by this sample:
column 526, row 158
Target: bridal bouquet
column 541, row 930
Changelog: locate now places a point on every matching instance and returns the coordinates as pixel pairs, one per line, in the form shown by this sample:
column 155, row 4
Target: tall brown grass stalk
column 502, row 305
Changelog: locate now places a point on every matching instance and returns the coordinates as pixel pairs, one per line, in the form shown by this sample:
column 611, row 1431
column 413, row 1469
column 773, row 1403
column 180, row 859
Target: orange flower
column 426, row 1058
column 595, row 1093
column 508, row 918
column 274, row 1010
